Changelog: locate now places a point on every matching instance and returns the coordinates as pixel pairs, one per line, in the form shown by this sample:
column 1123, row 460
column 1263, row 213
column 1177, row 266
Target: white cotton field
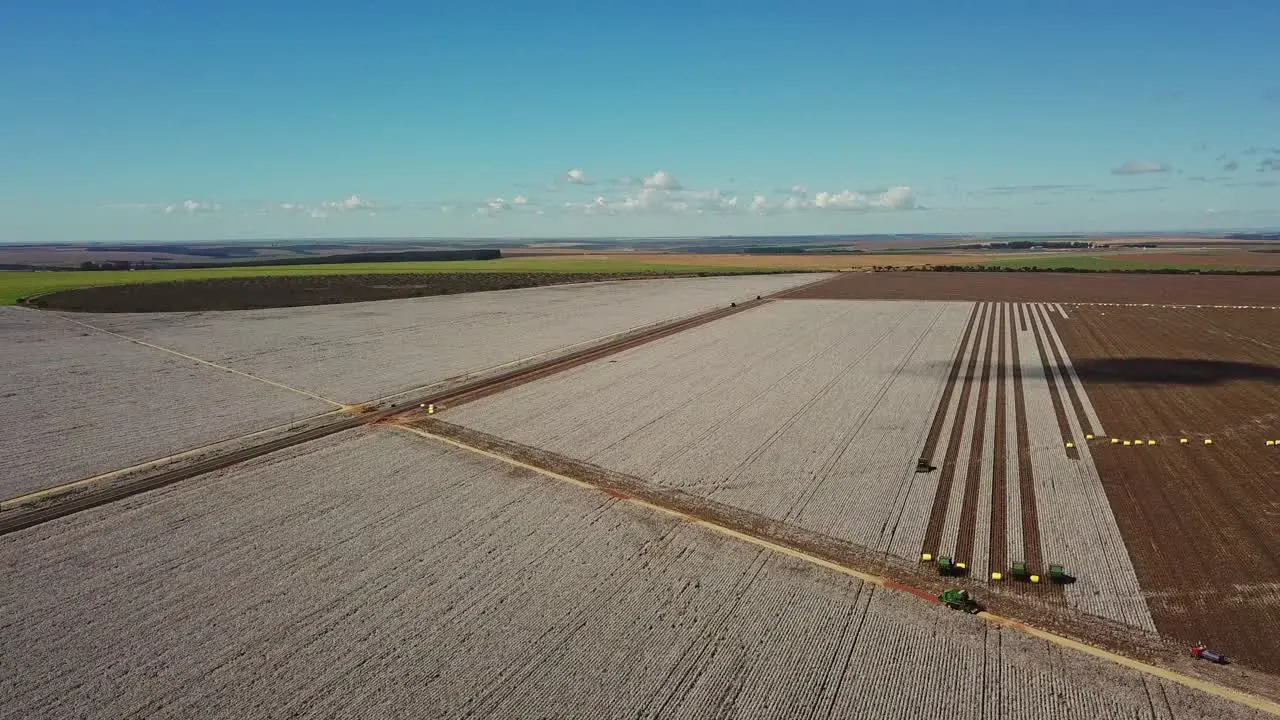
column 78, row 403
column 356, row 352
column 378, row 574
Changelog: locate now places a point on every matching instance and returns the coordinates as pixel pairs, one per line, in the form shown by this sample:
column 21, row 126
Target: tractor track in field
column 55, row 503
column 998, row 550
column 947, row 467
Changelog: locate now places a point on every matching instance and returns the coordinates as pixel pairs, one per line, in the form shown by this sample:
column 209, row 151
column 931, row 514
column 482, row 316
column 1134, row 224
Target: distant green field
column 18, row 284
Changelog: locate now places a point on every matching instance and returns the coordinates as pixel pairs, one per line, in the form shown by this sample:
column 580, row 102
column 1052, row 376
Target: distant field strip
column 457, row 586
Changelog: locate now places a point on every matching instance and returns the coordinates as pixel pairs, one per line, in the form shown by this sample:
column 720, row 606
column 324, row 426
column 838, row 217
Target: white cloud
column 576, row 176
column 653, row 200
column 351, row 202
column 798, row 190
column 662, row 180
column 186, row 207
column 896, row 198
column 326, row 208
column 520, row 200
column 192, row 207
column 1135, row 167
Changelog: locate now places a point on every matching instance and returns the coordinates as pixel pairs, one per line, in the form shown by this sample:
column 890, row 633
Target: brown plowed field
column 274, row 291
column 1217, row 258
column 1049, row 287
column 1201, row 522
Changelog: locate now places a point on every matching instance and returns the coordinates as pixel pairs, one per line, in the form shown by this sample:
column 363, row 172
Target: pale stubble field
column 79, row 402
column 378, row 574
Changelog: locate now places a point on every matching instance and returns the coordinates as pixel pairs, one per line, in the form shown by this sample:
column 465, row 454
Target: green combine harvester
column 948, row 567
column 959, row 600
column 1057, row 574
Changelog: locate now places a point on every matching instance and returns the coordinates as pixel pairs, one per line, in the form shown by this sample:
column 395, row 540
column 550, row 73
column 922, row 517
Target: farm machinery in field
column 1204, row 653
column 950, row 568
column 959, row 600
column 1057, row 574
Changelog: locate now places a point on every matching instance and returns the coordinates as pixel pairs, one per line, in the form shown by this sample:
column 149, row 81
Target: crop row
column 1077, row 527
column 377, row 574
column 78, row 403
column 1046, row 487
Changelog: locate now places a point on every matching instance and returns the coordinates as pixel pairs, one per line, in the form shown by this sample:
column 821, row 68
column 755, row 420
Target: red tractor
column 1204, row 653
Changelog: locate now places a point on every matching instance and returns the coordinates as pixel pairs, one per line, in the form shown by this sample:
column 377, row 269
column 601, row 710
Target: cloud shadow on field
column 1172, row 371
column 1138, row 371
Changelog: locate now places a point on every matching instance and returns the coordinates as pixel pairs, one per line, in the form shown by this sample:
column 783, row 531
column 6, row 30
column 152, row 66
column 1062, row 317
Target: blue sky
column 148, row 120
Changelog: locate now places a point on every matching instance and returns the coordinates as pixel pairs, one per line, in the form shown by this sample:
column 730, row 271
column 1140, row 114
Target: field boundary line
column 565, row 350
column 193, row 358
column 53, row 503
column 56, row 490
column 1237, row 696
column 685, row 517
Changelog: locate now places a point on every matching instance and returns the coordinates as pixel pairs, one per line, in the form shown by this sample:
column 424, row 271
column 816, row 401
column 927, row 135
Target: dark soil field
column 1214, row 258
column 1049, row 287
column 295, row 290
column 1202, row 522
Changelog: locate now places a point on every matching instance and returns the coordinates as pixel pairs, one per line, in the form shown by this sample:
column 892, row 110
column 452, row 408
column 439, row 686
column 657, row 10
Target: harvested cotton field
column 815, row 413
column 1202, row 520
column 1017, row 481
column 375, row 573
column 361, row 351
column 78, row 403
